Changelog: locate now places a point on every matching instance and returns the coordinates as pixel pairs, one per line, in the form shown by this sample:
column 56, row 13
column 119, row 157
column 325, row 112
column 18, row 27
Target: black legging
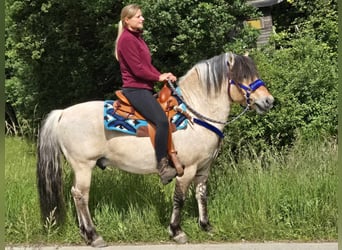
column 146, row 104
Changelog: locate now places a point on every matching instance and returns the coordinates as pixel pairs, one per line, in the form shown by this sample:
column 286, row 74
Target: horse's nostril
column 270, row 100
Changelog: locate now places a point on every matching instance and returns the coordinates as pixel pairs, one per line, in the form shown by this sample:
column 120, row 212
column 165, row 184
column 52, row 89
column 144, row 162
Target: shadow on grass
column 123, row 192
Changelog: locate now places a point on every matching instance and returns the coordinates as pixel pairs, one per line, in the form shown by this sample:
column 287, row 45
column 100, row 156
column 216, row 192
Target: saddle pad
column 113, row 121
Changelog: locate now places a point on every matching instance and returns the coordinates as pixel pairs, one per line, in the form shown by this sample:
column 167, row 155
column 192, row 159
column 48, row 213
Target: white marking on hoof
column 99, row 242
column 170, row 231
column 181, row 238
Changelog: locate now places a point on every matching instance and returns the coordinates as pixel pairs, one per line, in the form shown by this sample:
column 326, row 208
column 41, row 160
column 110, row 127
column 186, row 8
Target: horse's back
column 85, row 108
column 84, row 139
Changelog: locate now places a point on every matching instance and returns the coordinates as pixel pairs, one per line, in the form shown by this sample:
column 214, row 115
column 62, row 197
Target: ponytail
column 120, row 30
column 127, row 12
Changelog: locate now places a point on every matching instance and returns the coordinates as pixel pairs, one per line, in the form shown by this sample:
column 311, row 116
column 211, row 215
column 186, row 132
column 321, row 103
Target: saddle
column 169, row 104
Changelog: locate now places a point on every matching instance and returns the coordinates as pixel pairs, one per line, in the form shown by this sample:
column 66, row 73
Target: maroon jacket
column 135, row 61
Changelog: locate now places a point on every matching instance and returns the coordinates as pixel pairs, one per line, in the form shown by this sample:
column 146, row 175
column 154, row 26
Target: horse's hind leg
column 80, row 193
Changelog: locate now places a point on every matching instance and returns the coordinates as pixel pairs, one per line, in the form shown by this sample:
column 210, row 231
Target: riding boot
column 166, row 172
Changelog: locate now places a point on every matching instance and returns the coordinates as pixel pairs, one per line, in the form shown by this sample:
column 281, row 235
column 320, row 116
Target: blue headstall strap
column 251, row 87
column 256, row 84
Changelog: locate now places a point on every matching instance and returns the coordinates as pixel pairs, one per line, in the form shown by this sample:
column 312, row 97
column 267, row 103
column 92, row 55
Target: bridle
column 248, row 89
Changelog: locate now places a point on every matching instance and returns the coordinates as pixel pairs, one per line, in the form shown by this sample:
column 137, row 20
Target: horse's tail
column 49, row 171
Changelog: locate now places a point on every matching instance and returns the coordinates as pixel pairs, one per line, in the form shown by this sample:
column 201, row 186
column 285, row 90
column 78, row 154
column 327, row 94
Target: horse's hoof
column 181, row 238
column 206, row 226
column 99, row 242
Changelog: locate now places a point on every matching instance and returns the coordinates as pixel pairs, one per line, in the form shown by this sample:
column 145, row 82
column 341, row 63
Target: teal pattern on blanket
column 115, row 122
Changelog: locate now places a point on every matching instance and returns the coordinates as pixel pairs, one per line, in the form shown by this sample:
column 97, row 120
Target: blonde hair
column 128, row 11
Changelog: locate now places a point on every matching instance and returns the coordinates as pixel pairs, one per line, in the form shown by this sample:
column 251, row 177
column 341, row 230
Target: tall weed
column 276, row 195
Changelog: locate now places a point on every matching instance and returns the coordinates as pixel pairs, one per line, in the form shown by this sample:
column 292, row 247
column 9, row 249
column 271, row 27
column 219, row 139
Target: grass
column 289, row 195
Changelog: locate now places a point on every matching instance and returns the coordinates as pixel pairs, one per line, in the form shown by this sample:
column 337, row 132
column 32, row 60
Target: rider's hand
column 167, row 76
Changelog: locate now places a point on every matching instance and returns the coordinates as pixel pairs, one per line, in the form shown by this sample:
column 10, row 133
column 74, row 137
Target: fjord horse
column 77, row 132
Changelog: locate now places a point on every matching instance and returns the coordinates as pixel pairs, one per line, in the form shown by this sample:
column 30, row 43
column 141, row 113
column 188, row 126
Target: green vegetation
column 54, row 60
column 287, row 195
column 276, row 176
column 60, row 53
column 304, row 81
column 301, row 70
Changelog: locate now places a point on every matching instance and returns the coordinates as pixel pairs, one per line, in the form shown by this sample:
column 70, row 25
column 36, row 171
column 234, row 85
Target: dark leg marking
column 202, row 201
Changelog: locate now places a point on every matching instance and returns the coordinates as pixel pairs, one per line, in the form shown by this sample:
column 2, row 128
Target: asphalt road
column 226, row 246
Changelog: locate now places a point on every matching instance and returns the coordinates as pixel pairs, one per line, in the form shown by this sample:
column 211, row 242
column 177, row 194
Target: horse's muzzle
column 264, row 104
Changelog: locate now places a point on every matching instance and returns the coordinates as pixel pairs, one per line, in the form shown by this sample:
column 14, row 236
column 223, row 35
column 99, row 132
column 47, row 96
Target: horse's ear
column 246, row 53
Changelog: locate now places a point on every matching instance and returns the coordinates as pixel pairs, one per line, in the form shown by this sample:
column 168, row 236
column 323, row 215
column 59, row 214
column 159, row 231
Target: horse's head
column 245, row 87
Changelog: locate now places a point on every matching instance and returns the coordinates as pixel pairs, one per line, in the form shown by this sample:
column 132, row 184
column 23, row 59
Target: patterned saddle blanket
column 114, row 120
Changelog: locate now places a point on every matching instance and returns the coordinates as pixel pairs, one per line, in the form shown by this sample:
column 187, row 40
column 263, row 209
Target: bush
column 303, row 79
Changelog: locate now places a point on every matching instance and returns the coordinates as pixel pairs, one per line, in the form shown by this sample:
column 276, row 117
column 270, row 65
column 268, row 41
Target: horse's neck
column 214, row 106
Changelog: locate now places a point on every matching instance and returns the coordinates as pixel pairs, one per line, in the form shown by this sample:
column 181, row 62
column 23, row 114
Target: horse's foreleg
column 175, row 229
column 181, row 188
column 80, row 193
column 201, row 197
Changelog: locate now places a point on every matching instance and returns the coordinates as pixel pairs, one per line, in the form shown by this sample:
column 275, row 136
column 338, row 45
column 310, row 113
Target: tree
column 301, row 70
column 314, row 18
column 60, row 52
column 181, row 33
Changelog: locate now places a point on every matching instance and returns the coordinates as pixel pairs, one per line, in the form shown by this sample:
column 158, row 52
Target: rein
column 202, row 121
column 191, row 109
column 252, row 87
